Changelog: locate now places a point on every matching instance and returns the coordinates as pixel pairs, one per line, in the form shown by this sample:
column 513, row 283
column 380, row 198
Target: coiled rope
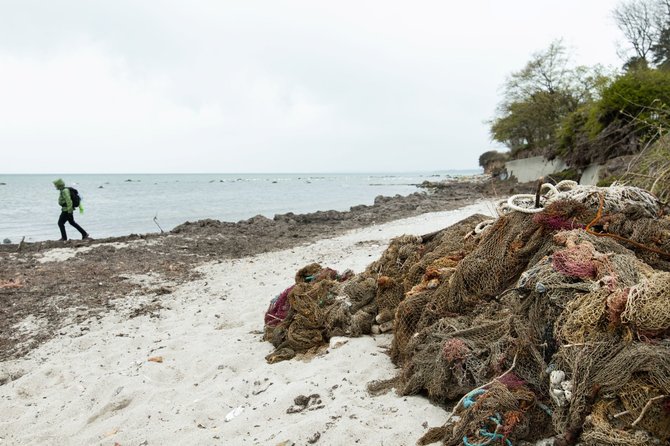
column 615, row 198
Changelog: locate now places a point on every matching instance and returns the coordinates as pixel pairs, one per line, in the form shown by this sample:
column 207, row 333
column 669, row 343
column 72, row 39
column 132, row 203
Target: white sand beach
column 194, row 372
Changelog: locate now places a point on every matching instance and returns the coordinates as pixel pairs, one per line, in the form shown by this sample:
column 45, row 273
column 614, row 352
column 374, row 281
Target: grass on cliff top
column 650, row 170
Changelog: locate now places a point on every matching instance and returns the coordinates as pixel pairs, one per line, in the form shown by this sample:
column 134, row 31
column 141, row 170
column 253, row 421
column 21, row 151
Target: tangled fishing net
column 551, row 320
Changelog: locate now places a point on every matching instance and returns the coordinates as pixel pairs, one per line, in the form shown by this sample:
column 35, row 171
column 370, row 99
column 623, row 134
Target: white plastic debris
column 234, row 413
column 560, row 389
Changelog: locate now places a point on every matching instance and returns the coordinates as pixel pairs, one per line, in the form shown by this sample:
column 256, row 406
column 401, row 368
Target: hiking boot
column 62, row 240
column 86, row 237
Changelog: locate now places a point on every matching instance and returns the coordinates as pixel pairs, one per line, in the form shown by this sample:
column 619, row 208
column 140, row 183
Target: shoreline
column 93, row 274
column 97, row 269
column 197, row 199
column 285, row 230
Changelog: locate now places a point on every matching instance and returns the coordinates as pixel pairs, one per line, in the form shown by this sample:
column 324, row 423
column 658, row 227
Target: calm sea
column 122, row 204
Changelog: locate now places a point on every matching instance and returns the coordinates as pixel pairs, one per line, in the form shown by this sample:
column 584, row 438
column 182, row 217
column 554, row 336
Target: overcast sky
column 133, row 86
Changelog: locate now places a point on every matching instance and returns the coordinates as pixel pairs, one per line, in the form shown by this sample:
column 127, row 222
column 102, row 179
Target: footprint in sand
column 111, row 408
column 226, row 325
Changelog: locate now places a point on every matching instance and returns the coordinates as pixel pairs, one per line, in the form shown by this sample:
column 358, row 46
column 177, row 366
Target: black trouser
column 68, row 217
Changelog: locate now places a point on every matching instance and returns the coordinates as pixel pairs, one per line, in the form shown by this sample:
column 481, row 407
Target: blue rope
column 490, row 435
column 497, row 419
column 470, row 397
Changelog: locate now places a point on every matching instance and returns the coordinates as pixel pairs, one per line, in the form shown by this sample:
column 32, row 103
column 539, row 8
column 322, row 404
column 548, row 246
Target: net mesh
column 556, row 319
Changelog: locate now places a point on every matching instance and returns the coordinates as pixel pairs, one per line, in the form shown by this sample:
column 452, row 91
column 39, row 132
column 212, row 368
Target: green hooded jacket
column 64, row 199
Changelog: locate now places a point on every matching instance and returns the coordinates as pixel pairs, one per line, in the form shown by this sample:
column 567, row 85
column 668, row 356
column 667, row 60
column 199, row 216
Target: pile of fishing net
column 323, row 303
column 549, row 321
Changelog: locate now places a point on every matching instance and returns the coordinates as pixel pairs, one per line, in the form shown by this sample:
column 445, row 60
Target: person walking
column 67, row 211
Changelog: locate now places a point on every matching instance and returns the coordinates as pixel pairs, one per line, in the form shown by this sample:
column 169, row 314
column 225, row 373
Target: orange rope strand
column 597, row 218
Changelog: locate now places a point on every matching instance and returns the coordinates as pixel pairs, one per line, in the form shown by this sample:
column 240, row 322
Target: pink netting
column 278, row 308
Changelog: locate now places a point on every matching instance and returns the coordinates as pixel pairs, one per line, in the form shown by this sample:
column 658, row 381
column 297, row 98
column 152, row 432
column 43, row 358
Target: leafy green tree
column 636, row 97
column 493, row 161
column 661, row 49
column 538, row 97
column 492, row 156
column 529, row 125
column 632, row 112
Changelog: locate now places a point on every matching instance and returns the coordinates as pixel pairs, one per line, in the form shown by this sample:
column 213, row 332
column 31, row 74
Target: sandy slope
column 95, row 384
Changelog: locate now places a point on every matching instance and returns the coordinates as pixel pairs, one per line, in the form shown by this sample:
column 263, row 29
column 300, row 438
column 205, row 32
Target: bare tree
column 641, row 22
column 550, row 72
column 546, row 71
